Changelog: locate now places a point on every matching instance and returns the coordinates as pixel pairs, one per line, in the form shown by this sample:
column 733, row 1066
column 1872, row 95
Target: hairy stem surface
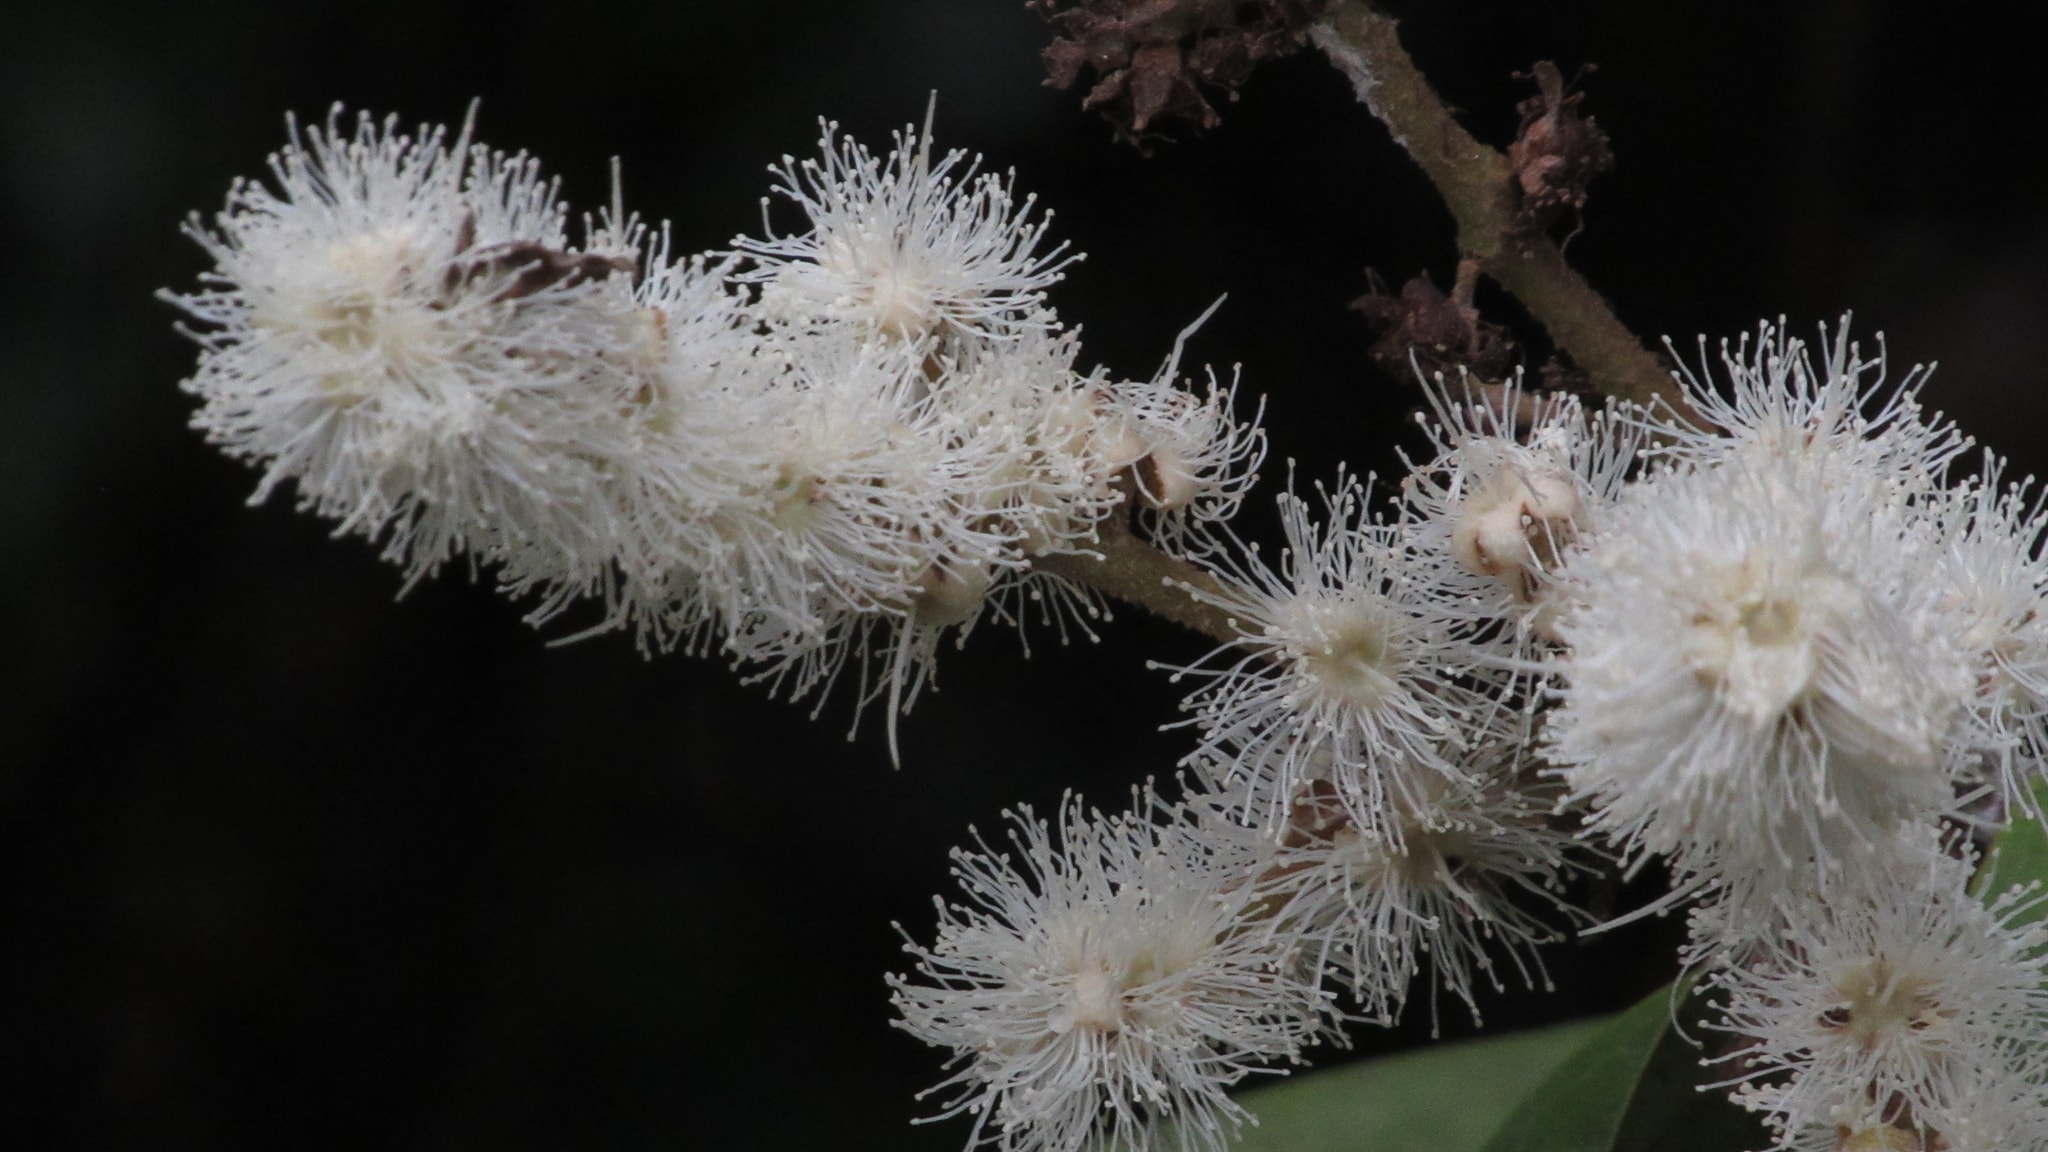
column 1477, row 185
column 1135, row 572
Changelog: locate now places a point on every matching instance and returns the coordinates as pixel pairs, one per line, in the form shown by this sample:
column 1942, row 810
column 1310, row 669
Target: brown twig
column 1477, row 185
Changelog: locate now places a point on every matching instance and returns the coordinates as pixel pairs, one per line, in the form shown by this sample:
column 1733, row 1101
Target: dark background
column 285, row 864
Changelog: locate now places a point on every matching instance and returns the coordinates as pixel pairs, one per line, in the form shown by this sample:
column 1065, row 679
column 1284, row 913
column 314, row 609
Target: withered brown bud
column 1149, row 56
column 1428, row 330
column 1557, row 153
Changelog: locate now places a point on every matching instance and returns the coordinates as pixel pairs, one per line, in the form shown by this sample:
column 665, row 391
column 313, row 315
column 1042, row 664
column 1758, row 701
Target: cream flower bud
column 1516, row 480
column 949, row 596
column 1515, row 527
column 1115, row 440
column 1191, row 460
column 1167, row 480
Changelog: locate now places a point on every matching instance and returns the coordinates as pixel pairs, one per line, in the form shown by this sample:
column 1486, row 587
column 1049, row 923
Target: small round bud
column 1166, row 481
column 948, row 596
column 1515, row 528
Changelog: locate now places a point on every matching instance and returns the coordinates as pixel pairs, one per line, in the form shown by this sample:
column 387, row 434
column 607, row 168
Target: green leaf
column 1444, row 1098
column 1580, row 1105
column 1670, row 1113
column 2019, row 857
column 1623, row 1083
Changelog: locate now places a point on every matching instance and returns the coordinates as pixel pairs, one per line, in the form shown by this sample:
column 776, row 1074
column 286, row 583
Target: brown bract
column 1149, row 56
column 1558, row 152
column 1424, row 330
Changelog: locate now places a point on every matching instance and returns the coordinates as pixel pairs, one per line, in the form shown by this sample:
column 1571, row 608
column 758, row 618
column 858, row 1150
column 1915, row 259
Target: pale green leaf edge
column 2019, row 856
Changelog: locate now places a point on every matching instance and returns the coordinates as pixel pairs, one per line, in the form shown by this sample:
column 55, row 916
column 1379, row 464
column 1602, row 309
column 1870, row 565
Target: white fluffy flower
column 854, row 513
column 1837, row 413
column 1349, row 674
column 1183, row 456
column 1037, row 419
column 1102, row 989
column 904, row 245
column 857, row 491
column 863, row 499
column 401, row 328
column 818, row 450
column 1896, row 1001
column 795, row 480
column 1997, row 578
column 1761, row 672
column 693, row 341
column 1446, row 892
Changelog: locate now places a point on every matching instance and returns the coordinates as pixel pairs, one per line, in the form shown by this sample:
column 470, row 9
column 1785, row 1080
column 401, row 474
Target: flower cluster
column 1766, row 641
column 1906, row 1010
column 1770, row 641
column 1798, row 666
column 796, row 451
column 1361, row 802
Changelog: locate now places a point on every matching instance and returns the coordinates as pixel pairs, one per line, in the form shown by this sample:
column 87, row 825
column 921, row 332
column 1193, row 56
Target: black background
column 285, row 864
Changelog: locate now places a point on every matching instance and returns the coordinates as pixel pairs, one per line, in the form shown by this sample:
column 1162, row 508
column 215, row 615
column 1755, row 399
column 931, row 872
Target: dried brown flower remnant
column 1558, row 151
column 536, row 267
column 1149, row 55
column 1422, row 329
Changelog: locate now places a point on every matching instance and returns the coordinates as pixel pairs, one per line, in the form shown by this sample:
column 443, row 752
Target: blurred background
column 286, row 862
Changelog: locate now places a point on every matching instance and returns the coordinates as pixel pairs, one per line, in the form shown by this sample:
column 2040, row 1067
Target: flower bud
column 1514, row 530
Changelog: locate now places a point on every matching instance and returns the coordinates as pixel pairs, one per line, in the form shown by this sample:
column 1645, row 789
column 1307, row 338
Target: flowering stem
column 1477, row 185
column 1132, row 570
